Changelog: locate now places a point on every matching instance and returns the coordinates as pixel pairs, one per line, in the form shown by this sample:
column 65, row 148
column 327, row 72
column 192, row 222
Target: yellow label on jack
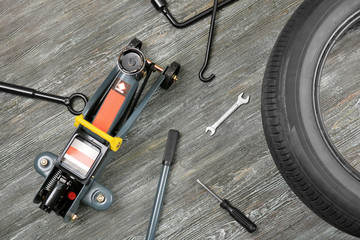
column 115, row 142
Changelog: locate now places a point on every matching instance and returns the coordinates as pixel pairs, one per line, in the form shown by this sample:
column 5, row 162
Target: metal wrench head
column 239, row 102
column 211, row 129
column 242, row 100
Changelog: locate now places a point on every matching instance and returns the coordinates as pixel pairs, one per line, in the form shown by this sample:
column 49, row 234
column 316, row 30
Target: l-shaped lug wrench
column 208, row 47
column 161, row 5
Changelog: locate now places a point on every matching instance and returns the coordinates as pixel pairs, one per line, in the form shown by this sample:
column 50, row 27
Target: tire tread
column 276, row 138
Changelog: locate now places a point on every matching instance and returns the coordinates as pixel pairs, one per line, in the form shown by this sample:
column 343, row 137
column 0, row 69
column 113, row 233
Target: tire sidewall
column 305, row 137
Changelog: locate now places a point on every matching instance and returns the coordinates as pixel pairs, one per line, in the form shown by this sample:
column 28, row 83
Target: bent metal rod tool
column 168, row 158
column 240, row 101
column 234, row 212
column 161, row 6
column 208, row 46
column 32, row 93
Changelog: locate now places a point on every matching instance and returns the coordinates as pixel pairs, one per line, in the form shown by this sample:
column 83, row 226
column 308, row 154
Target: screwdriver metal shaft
column 234, row 212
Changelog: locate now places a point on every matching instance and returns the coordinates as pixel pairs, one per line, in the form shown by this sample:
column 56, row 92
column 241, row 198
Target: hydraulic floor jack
column 71, row 177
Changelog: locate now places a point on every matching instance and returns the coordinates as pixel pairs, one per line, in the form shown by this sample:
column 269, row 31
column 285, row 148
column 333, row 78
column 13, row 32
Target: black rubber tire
column 295, row 134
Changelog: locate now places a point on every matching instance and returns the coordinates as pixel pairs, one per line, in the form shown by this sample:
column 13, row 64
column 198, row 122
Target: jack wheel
column 170, row 75
column 135, row 43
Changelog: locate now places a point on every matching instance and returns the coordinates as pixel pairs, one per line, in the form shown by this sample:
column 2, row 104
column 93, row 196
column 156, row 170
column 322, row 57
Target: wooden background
column 63, row 47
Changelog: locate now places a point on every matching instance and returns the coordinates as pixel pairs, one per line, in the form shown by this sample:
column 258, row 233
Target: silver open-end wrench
column 240, row 101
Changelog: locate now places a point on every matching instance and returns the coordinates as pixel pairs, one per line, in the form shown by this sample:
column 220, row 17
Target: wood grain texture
column 63, row 47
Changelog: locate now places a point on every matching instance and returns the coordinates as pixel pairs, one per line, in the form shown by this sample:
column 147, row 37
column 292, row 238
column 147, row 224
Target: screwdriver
column 234, row 212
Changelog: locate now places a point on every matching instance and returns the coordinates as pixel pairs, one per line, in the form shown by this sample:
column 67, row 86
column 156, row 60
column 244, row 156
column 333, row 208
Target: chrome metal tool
column 240, row 101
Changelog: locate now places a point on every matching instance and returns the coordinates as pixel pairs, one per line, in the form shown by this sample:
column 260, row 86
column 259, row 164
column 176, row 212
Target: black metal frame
column 161, row 5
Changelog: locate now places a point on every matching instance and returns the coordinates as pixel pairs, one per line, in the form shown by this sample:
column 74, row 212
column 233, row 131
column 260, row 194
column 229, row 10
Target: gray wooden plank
column 68, row 46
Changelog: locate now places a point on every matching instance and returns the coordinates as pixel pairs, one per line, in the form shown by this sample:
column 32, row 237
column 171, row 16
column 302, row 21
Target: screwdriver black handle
column 171, row 141
column 238, row 216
